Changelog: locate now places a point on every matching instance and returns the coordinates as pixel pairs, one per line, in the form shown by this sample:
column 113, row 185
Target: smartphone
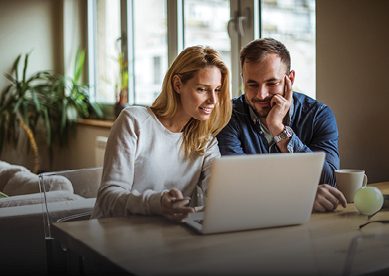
column 182, row 199
column 181, row 202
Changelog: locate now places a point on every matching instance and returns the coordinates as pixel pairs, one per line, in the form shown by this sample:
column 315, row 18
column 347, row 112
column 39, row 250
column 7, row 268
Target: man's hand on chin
column 328, row 198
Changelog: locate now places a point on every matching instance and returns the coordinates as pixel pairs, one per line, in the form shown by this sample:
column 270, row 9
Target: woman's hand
column 174, row 205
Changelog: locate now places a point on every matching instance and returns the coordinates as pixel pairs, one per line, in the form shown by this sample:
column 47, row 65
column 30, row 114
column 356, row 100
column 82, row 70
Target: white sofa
column 21, row 214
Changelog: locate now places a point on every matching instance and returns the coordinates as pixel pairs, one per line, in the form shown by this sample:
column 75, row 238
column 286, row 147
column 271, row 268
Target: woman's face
column 200, row 94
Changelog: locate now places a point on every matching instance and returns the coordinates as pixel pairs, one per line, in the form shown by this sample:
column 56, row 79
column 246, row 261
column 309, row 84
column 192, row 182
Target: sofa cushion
column 4, row 165
column 26, row 182
column 37, row 198
column 7, row 171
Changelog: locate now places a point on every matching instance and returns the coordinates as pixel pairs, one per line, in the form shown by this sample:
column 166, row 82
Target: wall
column 39, row 26
column 352, row 78
column 34, row 26
column 80, row 153
column 29, row 26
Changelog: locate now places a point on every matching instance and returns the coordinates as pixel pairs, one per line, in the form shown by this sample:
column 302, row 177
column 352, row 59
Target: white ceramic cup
column 349, row 181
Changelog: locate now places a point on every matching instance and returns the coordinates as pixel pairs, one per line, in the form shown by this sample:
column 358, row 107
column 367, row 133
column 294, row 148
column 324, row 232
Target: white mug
column 349, row 181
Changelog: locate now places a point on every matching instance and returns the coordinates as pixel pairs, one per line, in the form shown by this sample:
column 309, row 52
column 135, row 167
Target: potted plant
column 122, row 85
column 43, row 102
column 69, row 101
column 21, row 108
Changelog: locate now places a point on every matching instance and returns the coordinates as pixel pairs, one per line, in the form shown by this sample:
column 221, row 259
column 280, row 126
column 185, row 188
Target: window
column 205, row 23
column 157, row 70
column 143, row 37
column 149, row 56
column 106, row 50
column 293, row 23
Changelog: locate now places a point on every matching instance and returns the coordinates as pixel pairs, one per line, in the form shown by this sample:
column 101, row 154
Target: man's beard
column 263, row 111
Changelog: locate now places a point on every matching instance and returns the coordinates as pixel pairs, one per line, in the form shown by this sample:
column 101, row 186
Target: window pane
column 205, row 23
column 293, row 23
column 107, row 49
column 150, row 49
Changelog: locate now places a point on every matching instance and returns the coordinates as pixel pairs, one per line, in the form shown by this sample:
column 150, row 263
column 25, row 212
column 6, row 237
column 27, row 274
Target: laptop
column 259, row 191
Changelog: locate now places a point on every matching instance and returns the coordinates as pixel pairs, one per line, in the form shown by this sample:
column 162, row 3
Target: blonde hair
column 196, row 133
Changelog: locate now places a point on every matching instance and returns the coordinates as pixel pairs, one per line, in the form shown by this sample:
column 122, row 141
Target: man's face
column 262, row 80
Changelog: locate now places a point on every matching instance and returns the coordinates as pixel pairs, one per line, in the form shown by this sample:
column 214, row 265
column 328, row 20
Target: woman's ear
column 177, row 84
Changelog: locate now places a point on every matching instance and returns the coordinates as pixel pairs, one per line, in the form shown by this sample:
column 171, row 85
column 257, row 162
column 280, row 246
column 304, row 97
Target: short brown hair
column 257, row 49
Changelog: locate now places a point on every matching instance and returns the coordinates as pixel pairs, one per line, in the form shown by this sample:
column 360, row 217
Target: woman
column 158, row 157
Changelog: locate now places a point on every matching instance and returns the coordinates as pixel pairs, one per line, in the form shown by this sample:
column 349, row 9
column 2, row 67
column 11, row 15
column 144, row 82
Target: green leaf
column 35, row 100
column 4, row 94
column 2, row 131
column 25, row 66
column 97, row 110
column 10, row 78
column 15, row 67
column 63, row 117
column 17, row 104
column 46, row 122
column 79, row 65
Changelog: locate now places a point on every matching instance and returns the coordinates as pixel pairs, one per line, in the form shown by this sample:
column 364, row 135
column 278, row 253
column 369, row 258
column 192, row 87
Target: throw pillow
column 26, row 182
column 7, row 172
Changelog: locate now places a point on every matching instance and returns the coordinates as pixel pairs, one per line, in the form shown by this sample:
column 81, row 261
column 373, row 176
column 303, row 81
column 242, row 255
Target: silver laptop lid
column 262, row 190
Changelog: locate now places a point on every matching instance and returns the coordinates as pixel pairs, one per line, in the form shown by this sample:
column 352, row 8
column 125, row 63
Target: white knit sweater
column 143, row 159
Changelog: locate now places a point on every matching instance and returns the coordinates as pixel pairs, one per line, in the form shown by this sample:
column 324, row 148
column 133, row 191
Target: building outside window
column 150, row 45
column 205, row 23
column 293, row 23
column 139, row 36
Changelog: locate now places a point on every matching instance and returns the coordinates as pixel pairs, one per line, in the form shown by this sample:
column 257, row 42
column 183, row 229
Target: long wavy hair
column 196, row 133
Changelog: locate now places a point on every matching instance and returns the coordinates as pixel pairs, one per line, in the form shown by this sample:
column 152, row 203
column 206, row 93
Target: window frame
column 247, row 10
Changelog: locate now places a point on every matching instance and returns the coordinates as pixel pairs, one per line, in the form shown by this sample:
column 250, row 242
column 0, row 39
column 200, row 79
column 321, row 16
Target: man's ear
column 292, row 75
column 177, row 84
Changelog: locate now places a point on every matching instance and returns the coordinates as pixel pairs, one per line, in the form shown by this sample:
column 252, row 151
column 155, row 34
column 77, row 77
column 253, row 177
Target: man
column 271, row 118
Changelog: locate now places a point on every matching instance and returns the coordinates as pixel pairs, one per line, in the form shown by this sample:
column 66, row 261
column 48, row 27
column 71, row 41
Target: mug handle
column 364, row 180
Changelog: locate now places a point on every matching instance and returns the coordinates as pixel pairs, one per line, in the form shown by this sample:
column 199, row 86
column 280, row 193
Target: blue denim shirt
column 314, row 127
